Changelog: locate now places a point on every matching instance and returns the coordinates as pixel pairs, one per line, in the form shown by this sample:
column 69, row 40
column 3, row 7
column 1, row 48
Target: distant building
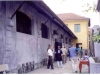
column 79, row 26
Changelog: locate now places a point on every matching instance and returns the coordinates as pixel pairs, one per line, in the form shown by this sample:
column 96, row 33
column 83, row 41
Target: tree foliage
column 90, row 6
column 87, row 5
column 96, row 37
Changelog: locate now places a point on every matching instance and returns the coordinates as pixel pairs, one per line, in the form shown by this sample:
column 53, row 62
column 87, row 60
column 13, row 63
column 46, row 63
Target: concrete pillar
column 10, row 56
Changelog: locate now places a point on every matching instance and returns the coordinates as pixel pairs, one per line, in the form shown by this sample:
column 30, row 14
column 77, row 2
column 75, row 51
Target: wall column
column 10, row 56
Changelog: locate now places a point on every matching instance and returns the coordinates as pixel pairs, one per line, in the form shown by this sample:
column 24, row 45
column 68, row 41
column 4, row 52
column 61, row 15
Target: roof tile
column 71, row 16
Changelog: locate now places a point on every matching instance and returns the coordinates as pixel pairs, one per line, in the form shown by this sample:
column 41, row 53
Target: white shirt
column 50, row 52
column 86, row 57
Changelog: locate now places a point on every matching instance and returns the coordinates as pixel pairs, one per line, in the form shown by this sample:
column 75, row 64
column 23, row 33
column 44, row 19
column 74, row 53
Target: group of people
column 61, row 56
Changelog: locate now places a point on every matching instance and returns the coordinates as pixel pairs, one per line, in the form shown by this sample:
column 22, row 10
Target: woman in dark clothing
column 59, row 57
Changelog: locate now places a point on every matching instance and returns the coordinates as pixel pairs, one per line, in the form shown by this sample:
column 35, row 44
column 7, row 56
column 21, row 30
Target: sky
column 74, row 6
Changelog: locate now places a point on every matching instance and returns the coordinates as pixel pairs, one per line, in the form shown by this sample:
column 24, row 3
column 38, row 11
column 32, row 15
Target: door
column 79, row 45
column 56, row 48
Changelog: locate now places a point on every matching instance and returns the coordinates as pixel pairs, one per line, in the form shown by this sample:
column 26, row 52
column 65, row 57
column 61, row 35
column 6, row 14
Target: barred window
column 45, row 31
column 23, row 23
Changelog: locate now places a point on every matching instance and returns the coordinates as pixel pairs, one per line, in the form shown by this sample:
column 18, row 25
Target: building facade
column 26, row 30
column 79, row 26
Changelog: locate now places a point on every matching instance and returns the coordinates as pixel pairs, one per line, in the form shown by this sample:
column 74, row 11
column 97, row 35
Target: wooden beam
column 46, row 21
column 17, row 10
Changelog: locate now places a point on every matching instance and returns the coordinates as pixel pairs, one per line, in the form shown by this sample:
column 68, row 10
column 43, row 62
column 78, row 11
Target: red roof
column 71, row 16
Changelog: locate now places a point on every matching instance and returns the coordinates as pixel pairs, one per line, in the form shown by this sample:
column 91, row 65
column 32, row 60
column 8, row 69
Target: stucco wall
column 82, row 35
column 26, row 48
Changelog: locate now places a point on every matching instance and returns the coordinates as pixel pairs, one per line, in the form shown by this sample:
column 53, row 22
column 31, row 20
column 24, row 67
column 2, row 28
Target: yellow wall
column 82, row 35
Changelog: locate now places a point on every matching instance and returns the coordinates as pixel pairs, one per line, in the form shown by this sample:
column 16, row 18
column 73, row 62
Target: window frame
column 77, row 28
column 26, row 26
column 42, row 32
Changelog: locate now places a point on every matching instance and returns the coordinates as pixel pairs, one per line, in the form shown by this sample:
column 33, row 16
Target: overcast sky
column 74, row 6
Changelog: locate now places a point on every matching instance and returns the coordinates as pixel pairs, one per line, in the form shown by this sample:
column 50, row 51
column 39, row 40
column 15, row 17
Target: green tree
column 96, row 37
column 89, row 5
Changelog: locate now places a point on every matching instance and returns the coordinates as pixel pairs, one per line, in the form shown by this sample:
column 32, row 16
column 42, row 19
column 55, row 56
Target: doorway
column 79, row 45
column 56, row 47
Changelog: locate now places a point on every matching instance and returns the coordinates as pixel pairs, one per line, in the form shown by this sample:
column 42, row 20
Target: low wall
column 94, row 66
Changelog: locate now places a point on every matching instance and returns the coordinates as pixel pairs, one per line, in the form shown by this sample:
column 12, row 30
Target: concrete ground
column 66, row 69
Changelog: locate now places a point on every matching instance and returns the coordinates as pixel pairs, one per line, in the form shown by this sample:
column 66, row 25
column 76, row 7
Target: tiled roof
column 71, row 16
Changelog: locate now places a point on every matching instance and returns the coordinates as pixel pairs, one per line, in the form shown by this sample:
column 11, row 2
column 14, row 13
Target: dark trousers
column 50, row 62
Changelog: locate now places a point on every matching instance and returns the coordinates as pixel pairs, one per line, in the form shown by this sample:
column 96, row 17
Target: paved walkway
column 66, row 68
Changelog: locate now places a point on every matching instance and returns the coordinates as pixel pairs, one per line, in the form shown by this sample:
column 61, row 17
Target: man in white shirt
column 64, row 56
column 50, row 56
column 50, row 52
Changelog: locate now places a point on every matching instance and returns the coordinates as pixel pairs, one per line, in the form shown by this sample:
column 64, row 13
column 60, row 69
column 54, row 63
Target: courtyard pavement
column 66, row 69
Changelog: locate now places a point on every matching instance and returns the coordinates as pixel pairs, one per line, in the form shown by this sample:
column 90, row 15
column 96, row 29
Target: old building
column 26, row 30
column 79, row 26
column 91, row 42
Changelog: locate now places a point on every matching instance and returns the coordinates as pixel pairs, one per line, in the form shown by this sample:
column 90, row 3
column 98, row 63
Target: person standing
column 68, row 54
column 64, row 54
column 86, row 57
column 50, row 58
column 59, row 57
column 73, row 57
column 79, row 52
